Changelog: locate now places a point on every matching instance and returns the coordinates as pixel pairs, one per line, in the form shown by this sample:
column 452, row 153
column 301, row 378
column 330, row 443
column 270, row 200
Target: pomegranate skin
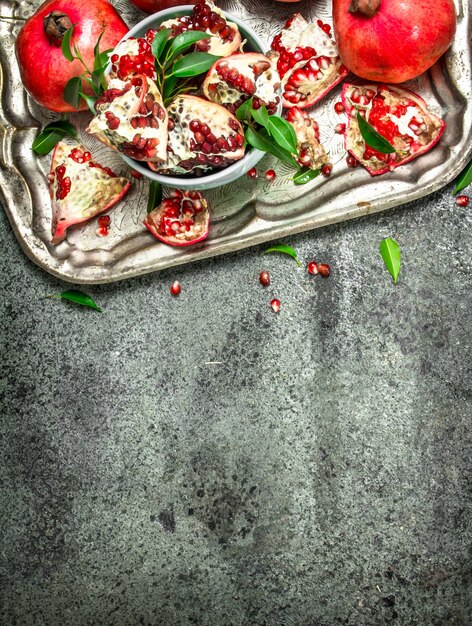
column 399, row 42
column 44, row 69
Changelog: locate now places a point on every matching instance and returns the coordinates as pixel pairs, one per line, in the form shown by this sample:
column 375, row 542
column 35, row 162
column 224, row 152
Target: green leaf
column 96, row 50
column 101, row 60
column 63, row 125
column 262, row 141
column 74, row 295
column 169, row 86
column 464, row 179
column 184, row 41
column 46, row 141
column 51, row 135
column 284, row 249
column 193, row 64
column 305, row 175
column 98, row 80
column 90, row 100
column 66, row 51
column 243, row 112
column 72, row 91
column 261, row 116
column 159, row 42
column 372, row 137
column 390, row 252
column 283, row 133
column 155, row 195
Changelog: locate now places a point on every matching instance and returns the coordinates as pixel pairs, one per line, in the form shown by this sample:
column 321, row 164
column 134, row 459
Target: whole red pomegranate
column 153, row 6
column 44, row 69
column 392, row 40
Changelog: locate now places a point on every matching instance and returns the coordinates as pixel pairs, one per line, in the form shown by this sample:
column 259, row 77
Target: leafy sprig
column 95, row 77
column 174, row 68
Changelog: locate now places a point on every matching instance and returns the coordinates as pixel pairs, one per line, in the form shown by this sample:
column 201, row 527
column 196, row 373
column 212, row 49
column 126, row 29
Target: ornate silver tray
column 244, row 213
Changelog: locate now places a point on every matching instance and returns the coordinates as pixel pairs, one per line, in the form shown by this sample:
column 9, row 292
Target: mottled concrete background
column 318, row 474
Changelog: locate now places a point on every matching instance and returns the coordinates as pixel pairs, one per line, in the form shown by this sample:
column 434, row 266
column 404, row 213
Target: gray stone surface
column 319, row 473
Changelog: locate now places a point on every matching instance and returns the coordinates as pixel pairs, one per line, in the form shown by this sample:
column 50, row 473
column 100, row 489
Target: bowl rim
column 231, row 172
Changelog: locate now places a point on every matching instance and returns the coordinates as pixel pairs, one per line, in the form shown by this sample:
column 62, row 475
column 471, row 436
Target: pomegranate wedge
column 233, row 80
column 207, row 17
column 399, row 115
column 131, row 57
column 202, row 135
column 307, row 60
column 182, row 219
column 80, row 188
column 131, row 118
column 311, row 152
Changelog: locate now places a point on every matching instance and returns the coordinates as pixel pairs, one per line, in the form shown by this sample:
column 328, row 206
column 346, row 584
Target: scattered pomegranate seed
column 312, row 268
column 324, row 270
column 175, row 288
column 102, row 231
column 104, row 221
column 264, row 278
column 270, row 175
column 340, row 129
column 339, row 107
column 327, row 169
column 351, row 161
column 275, row 304
column 252, row 173
column 462, row 200
column 136, row 174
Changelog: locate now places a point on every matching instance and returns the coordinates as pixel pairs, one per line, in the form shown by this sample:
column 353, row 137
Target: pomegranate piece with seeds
column 311, row 152
column 80, row 188
column 399, row 115
column 131, row 118
column 131, row 57
column 307, row 60
column 182, row 219
column 233, row 80
column 202, row 136
column 208, row 18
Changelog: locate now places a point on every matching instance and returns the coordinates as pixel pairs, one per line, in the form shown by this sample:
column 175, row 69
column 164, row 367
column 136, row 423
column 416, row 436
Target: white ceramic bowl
column 220, row 177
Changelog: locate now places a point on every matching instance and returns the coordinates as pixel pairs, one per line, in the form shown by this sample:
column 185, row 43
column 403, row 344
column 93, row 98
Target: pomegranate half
column 399, row 115
column 44, row 69
column 392, row 41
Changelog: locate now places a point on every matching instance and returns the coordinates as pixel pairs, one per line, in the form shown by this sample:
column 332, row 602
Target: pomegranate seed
column 340, row 129
column 270, row 175
column 264, row 278
column 339, row 107
column 175, row 288
column 351, row 161
column 135, row 174
column 252, row 173
column 324, row 270
column 327, row 169
column 462, row 200
column 104, row 221
column 275, row 304
column 312, row 268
